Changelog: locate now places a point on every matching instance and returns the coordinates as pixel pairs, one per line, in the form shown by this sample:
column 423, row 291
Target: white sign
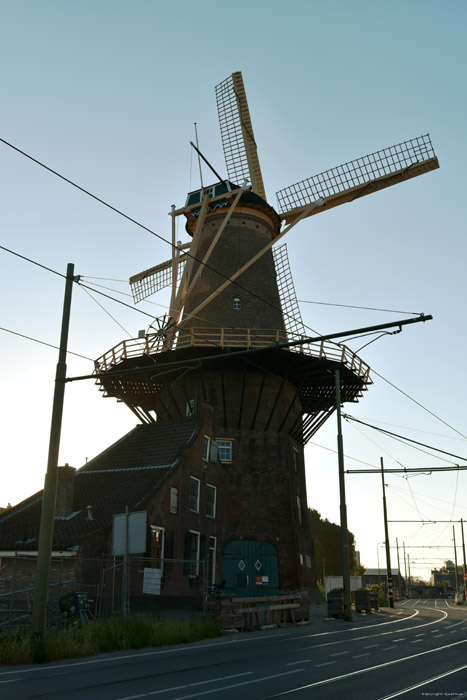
column 152, row 581
column 129, row 533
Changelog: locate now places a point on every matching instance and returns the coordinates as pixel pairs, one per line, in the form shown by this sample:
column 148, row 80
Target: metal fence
column 84, row 589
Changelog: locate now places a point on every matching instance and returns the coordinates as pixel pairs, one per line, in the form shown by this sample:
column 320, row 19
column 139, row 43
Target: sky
column 107, row 92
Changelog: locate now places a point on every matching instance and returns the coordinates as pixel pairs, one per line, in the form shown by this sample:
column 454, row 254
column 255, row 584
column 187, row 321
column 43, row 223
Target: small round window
column 237, row 304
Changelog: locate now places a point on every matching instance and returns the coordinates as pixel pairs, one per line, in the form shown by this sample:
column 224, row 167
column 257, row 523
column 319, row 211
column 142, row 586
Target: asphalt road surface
column 417, row 651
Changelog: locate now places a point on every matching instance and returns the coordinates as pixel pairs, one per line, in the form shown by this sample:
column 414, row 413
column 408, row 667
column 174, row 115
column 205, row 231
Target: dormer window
column 237, row 304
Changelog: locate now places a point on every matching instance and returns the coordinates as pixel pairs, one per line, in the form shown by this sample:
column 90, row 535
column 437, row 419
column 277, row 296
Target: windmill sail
column 156, row 278
column 238, row 141
column 289, row 304
column 359, row 177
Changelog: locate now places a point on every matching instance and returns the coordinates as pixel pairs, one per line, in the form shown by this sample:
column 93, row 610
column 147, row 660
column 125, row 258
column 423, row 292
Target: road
column 416, row 651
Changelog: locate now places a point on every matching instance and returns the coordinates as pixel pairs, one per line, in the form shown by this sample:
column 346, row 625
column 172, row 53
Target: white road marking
column 368, row 669
column 358, row 656
column 339, row 653
column 401, row 639
column 187, row 685
column 387, row 648
column 303, row 661
column 328, row 663
column 215, row 690
column 371, row 646
column 430, row 680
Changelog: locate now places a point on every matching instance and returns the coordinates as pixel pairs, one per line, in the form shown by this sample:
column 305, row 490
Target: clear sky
column 107, row 92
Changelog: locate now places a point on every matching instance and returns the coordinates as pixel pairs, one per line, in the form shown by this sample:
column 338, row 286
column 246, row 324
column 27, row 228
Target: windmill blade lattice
column 153, row 280
column 372, row 172
column 238, row 141
column 290, row 309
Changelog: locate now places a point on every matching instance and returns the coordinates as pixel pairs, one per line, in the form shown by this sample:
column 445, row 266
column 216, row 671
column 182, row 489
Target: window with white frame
column 157, row 546
column 224, row 450
column 173, row 500
column 237, row 304
column 194, row 494
column 206, row 448
column 212, row 559
column 211, row 497
column 299, row 510
column 192, row 552
column 295, row 460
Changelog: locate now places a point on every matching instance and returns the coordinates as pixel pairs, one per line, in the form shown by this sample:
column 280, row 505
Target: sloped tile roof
column 125, row 474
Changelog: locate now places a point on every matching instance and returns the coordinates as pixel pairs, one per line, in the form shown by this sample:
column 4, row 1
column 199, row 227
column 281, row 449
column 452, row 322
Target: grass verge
column 17, row 646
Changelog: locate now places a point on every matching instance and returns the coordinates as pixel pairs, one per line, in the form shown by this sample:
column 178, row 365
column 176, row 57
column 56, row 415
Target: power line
column 140, row 225
column 402, row 437
column 34, row 262
column 364, row 308
column 42, row 342
column 418, row 404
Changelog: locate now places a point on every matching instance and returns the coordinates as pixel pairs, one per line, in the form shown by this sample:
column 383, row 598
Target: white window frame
column 237, row 304
column 206, row 448
column 162, row 530
column 213, row 549
column 222, row 445
column 193, row 479
column 214, row 505
column 173, row 507
column 299, row 510
column 295, row 459
column 198, row 545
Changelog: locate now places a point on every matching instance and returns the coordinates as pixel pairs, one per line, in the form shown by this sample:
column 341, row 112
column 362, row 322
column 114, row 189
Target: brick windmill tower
column 223, row 352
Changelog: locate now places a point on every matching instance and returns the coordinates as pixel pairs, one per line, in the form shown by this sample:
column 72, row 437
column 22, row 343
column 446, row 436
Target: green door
column 249, row 568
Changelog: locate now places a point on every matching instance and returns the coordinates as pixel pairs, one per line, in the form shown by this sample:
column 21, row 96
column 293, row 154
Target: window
column 295, row 460
column 192, row 553
column 308, row 560
column 237, row 304
column 190, row 407
column 299, row 509
column 212, row 560
column 206, row 448
column 157, row 545
column 173, row 500
column 211, row 496
column 224, row 450
column 194, row 494
column 301, row 559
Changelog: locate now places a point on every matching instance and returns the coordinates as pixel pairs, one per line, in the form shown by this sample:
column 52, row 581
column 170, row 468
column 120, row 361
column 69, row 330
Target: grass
column 17, row 646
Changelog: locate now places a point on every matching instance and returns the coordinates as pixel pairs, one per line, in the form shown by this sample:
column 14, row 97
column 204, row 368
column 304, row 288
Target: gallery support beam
column 44, row 553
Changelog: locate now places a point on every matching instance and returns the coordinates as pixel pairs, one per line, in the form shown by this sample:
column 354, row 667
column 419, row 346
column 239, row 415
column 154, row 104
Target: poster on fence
column 152, row 581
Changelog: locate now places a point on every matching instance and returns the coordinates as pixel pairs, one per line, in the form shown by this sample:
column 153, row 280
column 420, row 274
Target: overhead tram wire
column 140, row 225
column 42, row 342
column 402, row 437
column 146, row 228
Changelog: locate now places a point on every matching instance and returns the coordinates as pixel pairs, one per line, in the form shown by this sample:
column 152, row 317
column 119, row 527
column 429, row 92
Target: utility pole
column 44, row 552
column 463, row 544
column 405, row 573
column 386, row 537
column 398, row 566
column 455, row 558
column 343, row 506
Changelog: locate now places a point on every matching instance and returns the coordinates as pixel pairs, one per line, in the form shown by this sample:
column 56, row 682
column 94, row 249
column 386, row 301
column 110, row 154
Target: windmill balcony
column 232, row 340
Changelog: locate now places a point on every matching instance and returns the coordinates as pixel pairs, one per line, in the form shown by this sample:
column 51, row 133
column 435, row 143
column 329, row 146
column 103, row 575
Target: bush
column 18, row 647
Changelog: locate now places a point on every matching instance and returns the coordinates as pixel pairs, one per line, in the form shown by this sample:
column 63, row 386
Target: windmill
column 231, row 293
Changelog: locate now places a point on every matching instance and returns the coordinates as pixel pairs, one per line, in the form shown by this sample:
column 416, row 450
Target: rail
column 230, row 339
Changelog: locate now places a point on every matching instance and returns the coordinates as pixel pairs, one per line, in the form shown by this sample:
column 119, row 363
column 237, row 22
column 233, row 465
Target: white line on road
column 187, row 685
column 371, row 646
column 387, row 648
column 339, row 653
column 358, row 656
column 215, row 690
column 430, row 680
column 328, row 663
column 294, row 663
column 368, row 669
column 401, row 639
